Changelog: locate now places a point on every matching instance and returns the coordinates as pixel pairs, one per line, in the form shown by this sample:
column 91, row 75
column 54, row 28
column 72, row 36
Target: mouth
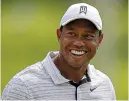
column 78, row 52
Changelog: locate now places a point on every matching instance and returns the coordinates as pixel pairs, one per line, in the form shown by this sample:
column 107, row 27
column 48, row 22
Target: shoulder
column 103, row 81
column 97, row 74
column 18, row 87
column 32, row 73
column 100, row 77
column 106, row 80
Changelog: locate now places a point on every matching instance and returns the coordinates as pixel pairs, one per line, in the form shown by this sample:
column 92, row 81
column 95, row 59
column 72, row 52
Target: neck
column 68, row 71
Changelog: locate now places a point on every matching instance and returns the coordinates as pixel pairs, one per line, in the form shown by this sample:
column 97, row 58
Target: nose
column 79, row 43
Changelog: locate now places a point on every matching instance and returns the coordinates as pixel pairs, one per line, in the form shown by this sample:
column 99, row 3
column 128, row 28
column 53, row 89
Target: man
column 67, row 74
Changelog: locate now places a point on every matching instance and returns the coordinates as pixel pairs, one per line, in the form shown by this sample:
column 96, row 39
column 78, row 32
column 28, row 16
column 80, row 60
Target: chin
column 76, row 66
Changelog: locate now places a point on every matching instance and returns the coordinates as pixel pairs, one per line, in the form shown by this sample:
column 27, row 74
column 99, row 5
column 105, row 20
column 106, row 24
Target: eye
column 89, row 36
column 71, row 34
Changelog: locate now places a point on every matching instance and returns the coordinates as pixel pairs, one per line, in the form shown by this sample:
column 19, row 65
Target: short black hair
column 61, row 28
column 100, row 32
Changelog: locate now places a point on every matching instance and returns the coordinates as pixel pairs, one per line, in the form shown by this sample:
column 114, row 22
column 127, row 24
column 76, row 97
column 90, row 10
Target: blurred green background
column 28, row 32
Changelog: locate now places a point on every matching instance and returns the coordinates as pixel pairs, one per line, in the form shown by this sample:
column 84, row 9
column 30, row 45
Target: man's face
column 79, row 41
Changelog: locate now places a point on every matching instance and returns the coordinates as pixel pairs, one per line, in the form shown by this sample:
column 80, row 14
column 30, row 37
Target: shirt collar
column 55, row 74
column 52, row 69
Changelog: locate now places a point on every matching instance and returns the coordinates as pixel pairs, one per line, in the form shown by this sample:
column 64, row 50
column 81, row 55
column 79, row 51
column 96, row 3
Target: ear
column 58, row 32
column 100, row 39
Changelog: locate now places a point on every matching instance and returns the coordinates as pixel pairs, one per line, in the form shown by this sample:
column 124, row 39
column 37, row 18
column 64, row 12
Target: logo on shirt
column 92, row 89
column 83, row 9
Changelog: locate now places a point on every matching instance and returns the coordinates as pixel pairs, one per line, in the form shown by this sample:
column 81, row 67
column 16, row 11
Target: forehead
column 81, row 23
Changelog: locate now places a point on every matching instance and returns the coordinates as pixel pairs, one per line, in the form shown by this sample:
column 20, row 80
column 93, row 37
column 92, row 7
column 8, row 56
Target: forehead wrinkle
column 81, row 23
column 69, row 26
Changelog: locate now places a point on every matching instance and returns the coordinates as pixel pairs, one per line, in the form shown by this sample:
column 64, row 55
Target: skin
column 79, row 35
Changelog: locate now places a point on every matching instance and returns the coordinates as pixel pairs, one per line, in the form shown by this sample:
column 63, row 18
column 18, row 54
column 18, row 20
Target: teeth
column 77, row 52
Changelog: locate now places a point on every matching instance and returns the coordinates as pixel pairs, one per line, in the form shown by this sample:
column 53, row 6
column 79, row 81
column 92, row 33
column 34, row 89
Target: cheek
column 92, row 47
column 93, row 43
column 64, row 45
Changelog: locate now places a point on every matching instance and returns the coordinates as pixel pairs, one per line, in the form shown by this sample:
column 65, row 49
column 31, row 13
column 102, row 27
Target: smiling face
column 79, row 41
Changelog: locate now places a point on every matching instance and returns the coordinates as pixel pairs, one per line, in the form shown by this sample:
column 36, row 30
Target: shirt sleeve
column 112, row 90
column 15, row 90
column 108, row 86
